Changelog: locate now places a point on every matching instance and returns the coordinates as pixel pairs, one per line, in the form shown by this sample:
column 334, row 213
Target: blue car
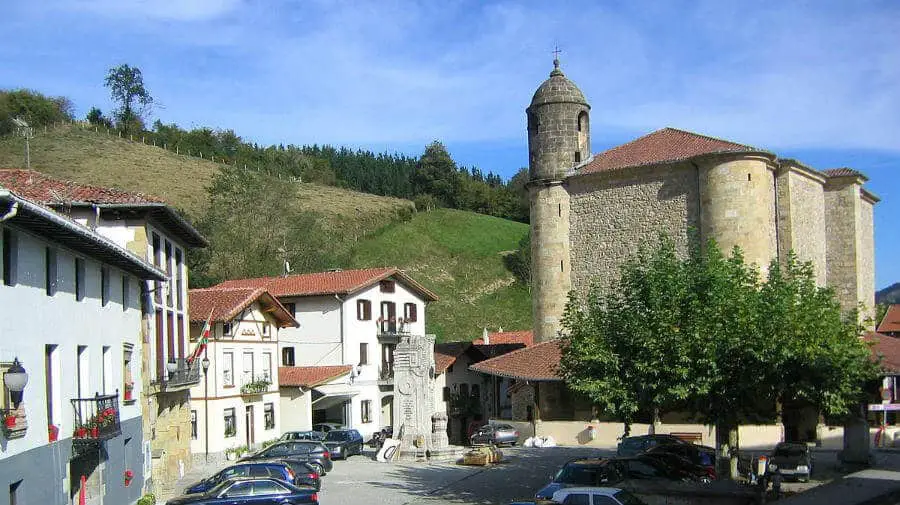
column 251, row 491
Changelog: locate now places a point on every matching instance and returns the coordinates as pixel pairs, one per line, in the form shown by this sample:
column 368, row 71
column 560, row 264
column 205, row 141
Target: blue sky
column 817, row 81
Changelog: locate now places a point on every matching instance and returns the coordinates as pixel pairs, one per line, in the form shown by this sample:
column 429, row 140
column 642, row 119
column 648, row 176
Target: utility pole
column 27, row 133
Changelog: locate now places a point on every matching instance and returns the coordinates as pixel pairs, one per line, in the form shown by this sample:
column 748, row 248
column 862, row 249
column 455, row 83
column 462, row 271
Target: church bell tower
column 559, row 138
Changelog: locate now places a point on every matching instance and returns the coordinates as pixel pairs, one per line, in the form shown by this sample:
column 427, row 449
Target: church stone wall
column 738, row 207
column 801, row 216
column 550, row 258
column 865, row 265
column 613, row 213
column 842, row 201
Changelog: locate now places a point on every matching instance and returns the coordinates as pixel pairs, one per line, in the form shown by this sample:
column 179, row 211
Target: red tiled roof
column 539, row 362
column 226, row 304
column 47, row 190
column 844, row 172
column 310, row 376
column 661, row 146
column 327, row 283
column 891, row 320
column 508, row 337
column 887, row 348
column 445, row 354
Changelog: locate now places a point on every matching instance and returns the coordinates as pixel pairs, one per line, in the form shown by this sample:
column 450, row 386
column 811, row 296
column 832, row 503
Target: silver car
column 495, row 434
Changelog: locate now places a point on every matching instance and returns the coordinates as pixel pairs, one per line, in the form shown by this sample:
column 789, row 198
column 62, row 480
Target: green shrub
column 147, row 499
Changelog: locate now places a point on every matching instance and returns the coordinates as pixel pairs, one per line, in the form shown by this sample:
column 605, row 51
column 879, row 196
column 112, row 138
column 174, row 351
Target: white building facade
column 156, row 233
column 353, row 319
column 70, row 313
column 237, row 403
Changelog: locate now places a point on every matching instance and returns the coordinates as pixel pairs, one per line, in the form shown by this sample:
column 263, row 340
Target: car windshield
column 790, row 451
column 579, row 475
column 626, row 498
column 337, row 436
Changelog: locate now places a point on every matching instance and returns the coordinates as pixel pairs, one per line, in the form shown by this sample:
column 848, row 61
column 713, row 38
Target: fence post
column 120, row 134
column 142, row 139
column 131, row 137
column 201, row 155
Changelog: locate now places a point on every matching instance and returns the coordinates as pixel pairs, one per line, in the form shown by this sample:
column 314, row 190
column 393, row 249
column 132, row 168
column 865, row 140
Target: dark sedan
column 281, row 470
column 791, row 460
column 249, row 490
column 700, row 473
column 344, row 443
column 303, row 435
column 497, row 434
column 698, row 454
column 632, row 446
column 312, row 452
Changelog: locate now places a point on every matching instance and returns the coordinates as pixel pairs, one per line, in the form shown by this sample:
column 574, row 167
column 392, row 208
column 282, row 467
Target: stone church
column 591, row 212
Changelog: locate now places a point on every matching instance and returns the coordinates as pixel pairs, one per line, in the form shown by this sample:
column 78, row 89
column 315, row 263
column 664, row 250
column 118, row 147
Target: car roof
column 604, row 491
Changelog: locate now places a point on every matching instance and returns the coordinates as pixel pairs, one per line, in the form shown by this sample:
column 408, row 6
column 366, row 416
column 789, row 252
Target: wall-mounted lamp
column 171, row 367
column 15, row 379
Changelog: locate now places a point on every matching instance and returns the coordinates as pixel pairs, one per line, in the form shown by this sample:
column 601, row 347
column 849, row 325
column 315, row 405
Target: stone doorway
column 89, row 465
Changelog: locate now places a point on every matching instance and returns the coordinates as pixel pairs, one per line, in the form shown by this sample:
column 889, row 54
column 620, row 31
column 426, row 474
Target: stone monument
column 414, row 395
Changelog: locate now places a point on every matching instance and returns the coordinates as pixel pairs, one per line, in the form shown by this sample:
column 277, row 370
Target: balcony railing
column 97, row 418
column 257, row 386
column 183, row 374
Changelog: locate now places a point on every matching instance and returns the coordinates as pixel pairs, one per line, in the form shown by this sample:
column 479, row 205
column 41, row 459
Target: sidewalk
column 198, row 471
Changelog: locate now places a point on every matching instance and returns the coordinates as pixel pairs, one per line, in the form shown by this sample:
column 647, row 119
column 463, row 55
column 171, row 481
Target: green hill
column 458, row 255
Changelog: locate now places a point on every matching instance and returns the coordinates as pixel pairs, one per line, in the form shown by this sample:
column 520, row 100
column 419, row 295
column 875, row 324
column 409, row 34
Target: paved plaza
column 362, row 480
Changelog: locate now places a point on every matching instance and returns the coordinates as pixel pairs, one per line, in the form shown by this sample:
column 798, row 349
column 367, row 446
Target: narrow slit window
column 577, row 156
column 561, row 266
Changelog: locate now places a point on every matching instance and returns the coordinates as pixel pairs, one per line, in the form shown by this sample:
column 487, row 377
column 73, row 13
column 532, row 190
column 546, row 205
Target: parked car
column 250, row 490
column 791, row 460
column 305, row 474
column 273, row 468
column 497, row 434
column 607, row 472
column 343, row 443
column 310, row 451
column 698, row 454
column 595, row 495
column 700, row 473
column 303, row 435
column 632, row 446
column 578, row 472
column 326, row 427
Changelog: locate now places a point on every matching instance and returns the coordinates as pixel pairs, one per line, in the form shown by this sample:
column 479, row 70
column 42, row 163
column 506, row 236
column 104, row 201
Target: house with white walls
column 71, row 332
column 151, row 229
column 350, row 323
column 237, row 402
column 468, row 397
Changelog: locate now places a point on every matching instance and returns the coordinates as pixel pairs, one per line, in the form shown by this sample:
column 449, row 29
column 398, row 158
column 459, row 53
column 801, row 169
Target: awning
column 322, row 401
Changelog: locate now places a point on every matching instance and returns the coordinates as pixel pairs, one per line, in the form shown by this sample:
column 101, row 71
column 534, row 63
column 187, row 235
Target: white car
column 595, row 496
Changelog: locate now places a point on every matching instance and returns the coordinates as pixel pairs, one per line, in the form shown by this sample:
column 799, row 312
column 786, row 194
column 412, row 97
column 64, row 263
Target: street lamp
column 15, row 379
column 205, row 364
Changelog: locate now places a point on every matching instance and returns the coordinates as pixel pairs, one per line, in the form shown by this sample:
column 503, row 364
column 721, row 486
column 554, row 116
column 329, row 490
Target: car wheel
column 318, row 469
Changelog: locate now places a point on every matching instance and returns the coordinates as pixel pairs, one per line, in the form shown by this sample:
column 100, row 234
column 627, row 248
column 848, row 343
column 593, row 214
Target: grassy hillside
column 458, row 255
column 890, row 294
column 81, row 155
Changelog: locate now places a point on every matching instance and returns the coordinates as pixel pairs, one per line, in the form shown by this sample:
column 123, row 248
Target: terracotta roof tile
column 886, row 348
column 844, row 172
column 445, row 354
column 47, row 190
column 661, row 146
column 310, row 376
column 226, row 303
column 891, row 320
column 327, row 283
column 508, row 337
column 539, row 362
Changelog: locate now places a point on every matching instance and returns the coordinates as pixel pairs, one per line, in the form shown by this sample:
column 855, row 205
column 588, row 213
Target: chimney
column 500, row 330
column 485, row 336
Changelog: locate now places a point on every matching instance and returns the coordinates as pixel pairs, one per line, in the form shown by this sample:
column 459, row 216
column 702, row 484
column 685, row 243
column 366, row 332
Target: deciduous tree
column 126, row 86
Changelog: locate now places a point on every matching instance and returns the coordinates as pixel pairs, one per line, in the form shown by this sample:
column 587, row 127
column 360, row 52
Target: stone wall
column 522, row 397
column 613, row 213
column 865, row 263
column 801, row 217
column 170, row 439
column 737, row 198
column 841, row 217
column 550, row 258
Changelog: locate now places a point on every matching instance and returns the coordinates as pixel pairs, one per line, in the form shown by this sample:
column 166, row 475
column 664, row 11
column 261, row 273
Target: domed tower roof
column 558, row 89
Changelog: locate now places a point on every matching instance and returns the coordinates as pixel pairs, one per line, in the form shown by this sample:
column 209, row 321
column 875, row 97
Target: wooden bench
column 694, row 438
